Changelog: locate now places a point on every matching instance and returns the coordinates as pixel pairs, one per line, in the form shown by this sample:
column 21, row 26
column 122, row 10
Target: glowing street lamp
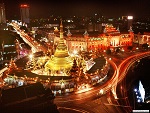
column 75, row 52
column 101, row 91
column 135, row 90
column 31, row 56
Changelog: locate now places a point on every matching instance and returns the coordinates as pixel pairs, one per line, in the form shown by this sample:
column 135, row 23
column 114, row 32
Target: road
column 36, row 47
column 83, row 102
column 108, row 101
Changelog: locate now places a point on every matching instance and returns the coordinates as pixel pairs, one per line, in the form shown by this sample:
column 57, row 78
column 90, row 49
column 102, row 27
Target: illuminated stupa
column 60, row 63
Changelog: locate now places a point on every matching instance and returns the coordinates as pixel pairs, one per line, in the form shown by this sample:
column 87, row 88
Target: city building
column 9, row 51
column 24, row 12
column 110, row 38
column 3, row 24
column 2, row 13
column 7, row 47
column 142, row 38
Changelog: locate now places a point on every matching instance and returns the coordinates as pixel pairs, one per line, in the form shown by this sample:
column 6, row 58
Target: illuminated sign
column 130, row 17
column 24, row 6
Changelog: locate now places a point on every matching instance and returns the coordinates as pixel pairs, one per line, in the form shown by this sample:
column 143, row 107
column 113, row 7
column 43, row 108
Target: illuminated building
column 142, row 38
column 2, row 14
column 9, row 51
column 111, row 38
column 3, row 25
column 24, row 12
column 94, row 27
column 60, row 63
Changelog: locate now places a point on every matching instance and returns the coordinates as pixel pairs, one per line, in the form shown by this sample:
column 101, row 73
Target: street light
column 31, row 56
column 75, row 52
column 101, row 91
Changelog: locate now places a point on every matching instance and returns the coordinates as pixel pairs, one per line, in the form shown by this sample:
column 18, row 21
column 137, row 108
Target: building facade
column 24, row 12
column 2, row 14
column 110, row 38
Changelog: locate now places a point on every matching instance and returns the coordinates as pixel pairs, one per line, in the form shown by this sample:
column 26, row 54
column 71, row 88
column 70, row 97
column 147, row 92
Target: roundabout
column 62, row 72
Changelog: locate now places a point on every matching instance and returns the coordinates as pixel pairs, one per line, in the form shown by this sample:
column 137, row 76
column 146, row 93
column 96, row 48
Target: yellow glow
column 101, row 91
column 84, row 90
column 31, row 56
column 75, row 52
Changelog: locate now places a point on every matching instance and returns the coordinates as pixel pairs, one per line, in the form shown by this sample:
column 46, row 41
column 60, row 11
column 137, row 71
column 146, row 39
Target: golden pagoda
column 60, row 63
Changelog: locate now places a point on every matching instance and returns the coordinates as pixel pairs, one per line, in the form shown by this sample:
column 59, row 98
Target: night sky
column 109, row 8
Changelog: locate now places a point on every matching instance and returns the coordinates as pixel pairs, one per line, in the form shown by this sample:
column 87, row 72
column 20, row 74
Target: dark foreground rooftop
column 33, row 98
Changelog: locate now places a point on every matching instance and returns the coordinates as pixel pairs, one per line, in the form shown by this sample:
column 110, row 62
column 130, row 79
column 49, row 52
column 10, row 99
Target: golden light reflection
column 84, row 88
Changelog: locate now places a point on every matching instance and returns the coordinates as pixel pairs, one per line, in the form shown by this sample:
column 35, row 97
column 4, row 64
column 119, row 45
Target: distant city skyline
column 45, row 8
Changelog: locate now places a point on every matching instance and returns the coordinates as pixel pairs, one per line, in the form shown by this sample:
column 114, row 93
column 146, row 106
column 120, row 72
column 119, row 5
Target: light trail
column 2, row 70
column 124, row 67
column 105, row 87
column 84, row 90
column 127, row 63
column 27, row 39
column 73, row 109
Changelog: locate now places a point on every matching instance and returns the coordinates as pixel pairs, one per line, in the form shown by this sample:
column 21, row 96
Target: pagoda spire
column 118, row 29
column 104, row 31
column 61, row 61
column 69, row 33
column 61, row 45
column 130, row 29
column 61, row 26
column 86, row 33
